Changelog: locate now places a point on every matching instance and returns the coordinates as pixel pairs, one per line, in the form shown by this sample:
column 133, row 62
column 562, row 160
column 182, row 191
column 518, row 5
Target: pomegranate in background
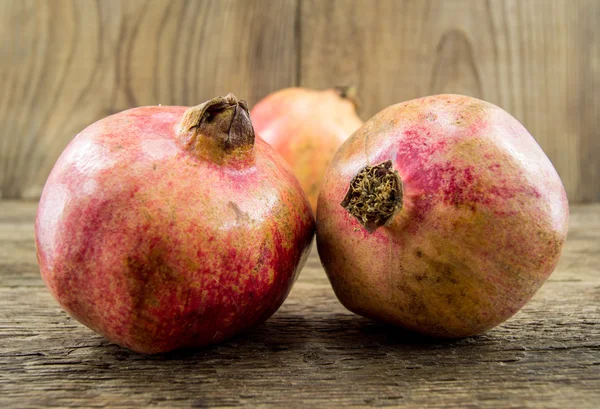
column 166, row 227
column 306, row 127
column 441, row 215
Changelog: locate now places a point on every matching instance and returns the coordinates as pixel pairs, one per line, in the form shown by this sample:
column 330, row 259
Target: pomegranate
column 441, row 215
column 166, row 227
column 306, row 127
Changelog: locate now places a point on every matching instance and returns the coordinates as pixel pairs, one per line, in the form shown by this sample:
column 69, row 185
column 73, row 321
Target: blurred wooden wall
column 65, row 64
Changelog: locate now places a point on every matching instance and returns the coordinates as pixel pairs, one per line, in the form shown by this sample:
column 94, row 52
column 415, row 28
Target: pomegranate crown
column 221, row 121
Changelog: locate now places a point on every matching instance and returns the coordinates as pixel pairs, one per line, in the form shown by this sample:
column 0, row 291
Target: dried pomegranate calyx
column 349, row 93
column 221, row 121
column 374, row 195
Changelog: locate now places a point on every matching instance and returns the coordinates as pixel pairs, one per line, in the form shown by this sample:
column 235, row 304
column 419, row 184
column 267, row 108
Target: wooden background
column 65, row 64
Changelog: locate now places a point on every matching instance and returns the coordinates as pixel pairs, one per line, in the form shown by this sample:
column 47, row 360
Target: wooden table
column 312, row 353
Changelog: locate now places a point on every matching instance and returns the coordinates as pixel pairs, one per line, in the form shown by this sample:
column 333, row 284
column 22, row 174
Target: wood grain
column 312, row 353
column 65, row 64
column 537, row 59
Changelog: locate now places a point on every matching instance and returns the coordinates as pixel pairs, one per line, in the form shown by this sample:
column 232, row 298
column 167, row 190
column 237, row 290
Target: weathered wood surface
column 312, row 353
column 537, row 59
column 66, row 63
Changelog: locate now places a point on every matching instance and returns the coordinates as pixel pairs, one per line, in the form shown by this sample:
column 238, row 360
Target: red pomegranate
column 441, row 215
column 167, row 227
column 306, row 127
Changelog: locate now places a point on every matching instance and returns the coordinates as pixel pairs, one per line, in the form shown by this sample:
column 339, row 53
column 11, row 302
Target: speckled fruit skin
column 482, row 226
column 158, row 249
column 306, row 127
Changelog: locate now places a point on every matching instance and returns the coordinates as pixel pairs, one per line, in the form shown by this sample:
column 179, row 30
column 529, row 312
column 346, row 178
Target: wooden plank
column 312, row 352
column 65, row 64
column 538, row 59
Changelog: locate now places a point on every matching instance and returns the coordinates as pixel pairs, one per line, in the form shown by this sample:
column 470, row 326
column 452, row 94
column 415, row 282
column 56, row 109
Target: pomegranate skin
column 306, row 127
column 482, row 224
column 157, row 248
